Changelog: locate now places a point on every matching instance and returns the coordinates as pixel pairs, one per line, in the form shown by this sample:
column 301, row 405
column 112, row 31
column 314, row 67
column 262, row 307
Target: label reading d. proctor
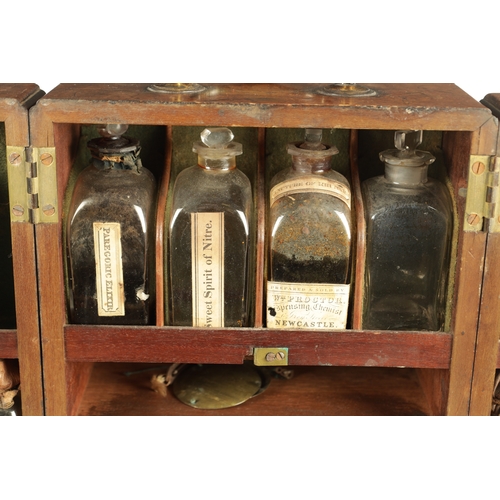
column 307, row 306
column 207, row 254
column 109, row 271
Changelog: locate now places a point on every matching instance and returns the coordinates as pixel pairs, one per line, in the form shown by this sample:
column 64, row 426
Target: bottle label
column 207, row 254
column 109, row 271
column 311, row 184
column 307, row 306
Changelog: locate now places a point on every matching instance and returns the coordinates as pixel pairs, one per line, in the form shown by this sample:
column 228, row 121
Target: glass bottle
column 310, row 240
column 110, row 234
column 210, row 237
column 409, row 221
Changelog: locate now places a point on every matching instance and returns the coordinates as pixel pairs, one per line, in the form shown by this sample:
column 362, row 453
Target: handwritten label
column 207, row 254
column 307, row 306
column 311, row 184
column 109, row 270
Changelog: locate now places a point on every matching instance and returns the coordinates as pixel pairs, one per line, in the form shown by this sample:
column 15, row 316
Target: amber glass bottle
column 409, row 221
column 210, row 237
column 110, row 234
column 310, row 240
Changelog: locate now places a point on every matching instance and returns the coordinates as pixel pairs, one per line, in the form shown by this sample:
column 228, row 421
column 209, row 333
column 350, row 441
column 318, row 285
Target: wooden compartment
column 19, row 327
column 434, row 369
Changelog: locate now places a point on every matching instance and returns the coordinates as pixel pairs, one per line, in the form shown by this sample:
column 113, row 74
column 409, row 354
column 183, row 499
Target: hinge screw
column 48, row 210
column 478, row 167
column 271, row 356
column 15, row 158
column 18, row 210
column 473, row 219
column 46, row 159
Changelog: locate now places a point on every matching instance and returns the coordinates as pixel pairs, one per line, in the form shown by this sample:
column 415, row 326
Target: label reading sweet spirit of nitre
column 207, row 254
column 311, row 184
column 307, row 306
column 109, row 271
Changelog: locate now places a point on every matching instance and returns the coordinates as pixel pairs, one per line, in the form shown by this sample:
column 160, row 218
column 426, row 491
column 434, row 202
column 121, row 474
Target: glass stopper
column 217, row 138
column 112, row 130
column 408, row 140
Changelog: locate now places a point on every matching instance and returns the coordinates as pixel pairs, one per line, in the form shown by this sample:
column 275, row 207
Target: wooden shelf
column 189, row 345
column 312, row 391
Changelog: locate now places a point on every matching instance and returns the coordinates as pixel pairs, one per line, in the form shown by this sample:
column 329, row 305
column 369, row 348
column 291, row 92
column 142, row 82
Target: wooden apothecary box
column 338, row 372
column 19, row 331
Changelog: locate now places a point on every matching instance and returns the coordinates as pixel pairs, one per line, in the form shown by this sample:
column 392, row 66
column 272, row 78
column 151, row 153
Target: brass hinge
column 482, row 210
column 32, row 184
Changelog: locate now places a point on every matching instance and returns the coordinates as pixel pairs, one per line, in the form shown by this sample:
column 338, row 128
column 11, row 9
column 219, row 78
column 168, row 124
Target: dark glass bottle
column 110, row 234
column 310, row 240
column 409, row 220
column 210, row 237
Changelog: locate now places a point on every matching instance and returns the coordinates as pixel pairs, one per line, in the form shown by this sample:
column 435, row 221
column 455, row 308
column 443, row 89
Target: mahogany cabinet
column 19, row 325
column 92, row 369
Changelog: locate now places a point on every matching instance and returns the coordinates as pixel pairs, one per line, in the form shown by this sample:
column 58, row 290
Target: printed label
column 207, row 254
column 307, row 306
column 109, row 271
column 311, row 184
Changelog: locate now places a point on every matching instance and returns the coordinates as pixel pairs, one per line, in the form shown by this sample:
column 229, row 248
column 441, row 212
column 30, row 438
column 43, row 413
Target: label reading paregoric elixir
column 307, row 306
column 109, row 269
column 207, row 254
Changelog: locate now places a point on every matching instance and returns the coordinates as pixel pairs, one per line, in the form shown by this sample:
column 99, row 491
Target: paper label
column 207, row 254
column 311, row 184
column 307, row 306
column 109, row 270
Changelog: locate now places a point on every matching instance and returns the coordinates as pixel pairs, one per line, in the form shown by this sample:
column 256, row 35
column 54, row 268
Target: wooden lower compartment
column 125, row 389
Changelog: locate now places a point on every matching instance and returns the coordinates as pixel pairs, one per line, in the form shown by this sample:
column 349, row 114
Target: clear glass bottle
column 110, row 234
column 409, row 220
column 310, row 240
column 210, row 237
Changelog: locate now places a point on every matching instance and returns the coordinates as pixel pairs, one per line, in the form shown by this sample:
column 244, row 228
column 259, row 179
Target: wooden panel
column 15, row 99
column 489, row 329
column 117, row 389
column 423, row 106
column 470, row 266
column 186, row 345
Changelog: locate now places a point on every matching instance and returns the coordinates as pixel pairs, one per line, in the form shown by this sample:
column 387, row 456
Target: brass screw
column 17, row 210
column 478, row 167
column 473, row 219
column 48, row 210
column 15, row 158
column 46, row 159
column 280, row 355
column 270, row 356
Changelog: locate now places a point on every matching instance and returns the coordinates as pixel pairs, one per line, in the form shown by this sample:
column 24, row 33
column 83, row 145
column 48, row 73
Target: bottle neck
column 306, row 165
column 217, row 164
column 406, row 175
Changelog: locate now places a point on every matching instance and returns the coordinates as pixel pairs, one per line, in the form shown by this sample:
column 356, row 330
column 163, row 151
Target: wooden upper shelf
column 396, row 106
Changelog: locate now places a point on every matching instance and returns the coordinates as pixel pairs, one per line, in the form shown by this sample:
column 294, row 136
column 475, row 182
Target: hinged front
column 482, row 208
column 32, row 184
